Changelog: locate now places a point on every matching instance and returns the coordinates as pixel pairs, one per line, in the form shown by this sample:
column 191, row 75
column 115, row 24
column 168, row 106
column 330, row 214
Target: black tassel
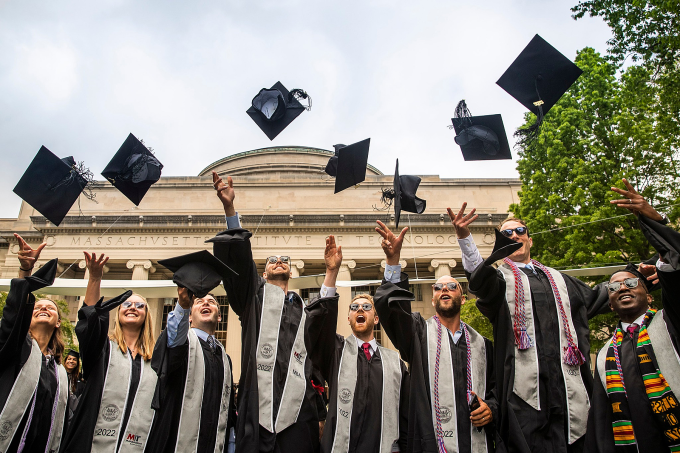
column 463, row 112
column 526, row 135
column 299, row 94
column 387, row 199
column 88, row 176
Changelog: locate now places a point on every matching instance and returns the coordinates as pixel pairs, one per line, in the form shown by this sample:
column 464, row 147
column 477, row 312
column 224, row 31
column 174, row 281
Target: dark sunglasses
column 128, row 304
column 630, row 283
column 451, row 286
column 366, row 307
column 274, row 259
column 521, row 231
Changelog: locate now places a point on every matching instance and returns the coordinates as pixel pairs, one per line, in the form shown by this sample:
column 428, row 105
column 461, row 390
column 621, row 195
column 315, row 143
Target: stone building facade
column 285, row 198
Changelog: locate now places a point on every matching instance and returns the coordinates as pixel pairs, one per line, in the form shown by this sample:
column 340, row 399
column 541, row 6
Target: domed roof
column 297, row 160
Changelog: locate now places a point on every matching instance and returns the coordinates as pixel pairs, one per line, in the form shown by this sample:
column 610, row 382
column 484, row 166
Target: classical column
column 345, row 294
column 233, row 347
column 442, row 268
column 296, row 268
column 140, row 271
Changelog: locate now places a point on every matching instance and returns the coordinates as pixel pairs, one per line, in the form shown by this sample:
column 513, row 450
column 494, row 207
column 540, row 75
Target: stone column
column 345, row 294
column 442, row 268
column 296, row 268
column 233, row 347
column 140, row 271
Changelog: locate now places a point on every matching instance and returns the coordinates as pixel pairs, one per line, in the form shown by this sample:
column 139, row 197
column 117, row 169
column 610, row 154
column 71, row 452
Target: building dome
column 294, row 161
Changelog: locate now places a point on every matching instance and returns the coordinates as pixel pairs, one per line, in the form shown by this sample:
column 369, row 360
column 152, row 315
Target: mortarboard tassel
column 299, row 94
column 528, row 134
column 387, row 198
column 462, row 111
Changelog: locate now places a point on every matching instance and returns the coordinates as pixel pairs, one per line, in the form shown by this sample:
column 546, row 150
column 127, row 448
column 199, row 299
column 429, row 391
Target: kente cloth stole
column 442, row 384
column 664, row 404
column 526, row 382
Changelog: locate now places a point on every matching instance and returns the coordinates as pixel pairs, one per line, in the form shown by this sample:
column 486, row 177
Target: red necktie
column 367, row 351
column 632, row 328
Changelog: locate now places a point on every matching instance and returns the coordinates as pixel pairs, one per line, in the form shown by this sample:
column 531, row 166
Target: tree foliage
column 470, row 314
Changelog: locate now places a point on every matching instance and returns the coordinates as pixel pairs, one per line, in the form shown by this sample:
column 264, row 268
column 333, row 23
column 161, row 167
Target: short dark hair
column 512, row 219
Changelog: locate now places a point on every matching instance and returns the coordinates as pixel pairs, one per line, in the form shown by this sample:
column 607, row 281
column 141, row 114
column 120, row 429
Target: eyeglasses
column 521, row 231
column 629, row 282
column 274, row 259
column 451, row 286
column 366, row 307
column 128, row 304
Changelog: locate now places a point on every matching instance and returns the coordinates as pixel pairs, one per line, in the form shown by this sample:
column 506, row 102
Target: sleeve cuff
column 393, row 273
column 326, row 291
column 470, row 254
column 233, row 221
column 664, row 267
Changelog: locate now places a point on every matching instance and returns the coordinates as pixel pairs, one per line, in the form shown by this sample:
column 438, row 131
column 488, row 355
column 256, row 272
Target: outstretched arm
column 95, row 266
column 27, row 256
column 470, row 254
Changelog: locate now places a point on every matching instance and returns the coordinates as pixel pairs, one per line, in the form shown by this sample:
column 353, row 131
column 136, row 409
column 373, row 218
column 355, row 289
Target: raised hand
column 635, row 202
column 461, row 221
column 649, row 271
column 185, row 297
column 27, row 256
column 95, row 265
column 390, row 243
column 225, row 192
column 333, row 254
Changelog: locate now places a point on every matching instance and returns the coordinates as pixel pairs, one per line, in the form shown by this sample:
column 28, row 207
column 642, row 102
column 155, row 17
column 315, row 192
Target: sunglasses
column 128, row 304
column 366, row 307
column 630, row 283
column 521, row 231
column 451, row 286
column 274, row 259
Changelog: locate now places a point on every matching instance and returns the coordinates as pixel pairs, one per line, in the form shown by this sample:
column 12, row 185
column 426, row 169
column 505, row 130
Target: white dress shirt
column 373, row 345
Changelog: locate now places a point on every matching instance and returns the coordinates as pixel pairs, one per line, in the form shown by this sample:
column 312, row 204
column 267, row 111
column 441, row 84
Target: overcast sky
column 77, row 77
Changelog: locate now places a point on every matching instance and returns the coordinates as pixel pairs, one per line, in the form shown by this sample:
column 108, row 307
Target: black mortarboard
column 502, row 248
column 480, row 137
column 275, row 108
column 403, row 195
column 51, row 185
column 133, row 169
column 199, row 272
column 73, row 353
column 538, row 78
column 350, row 164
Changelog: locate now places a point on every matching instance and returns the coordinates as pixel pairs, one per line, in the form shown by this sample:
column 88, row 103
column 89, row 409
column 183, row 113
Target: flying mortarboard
column 403, row 195
column 199, row 272
column 275, row 108
column 538, row 78
column 480, row 137
column 502, row 248
column 133, row 169
column 349, row 164
column 51, row 185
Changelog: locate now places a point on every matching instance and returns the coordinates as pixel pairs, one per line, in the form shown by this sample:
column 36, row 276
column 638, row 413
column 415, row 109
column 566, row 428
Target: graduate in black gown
column 114, row 410
column 282, row 353
column 360, row 389
column 456, row 428
column 541, row 345
column 33, row 383
column 635, row 405
column 194, row 400
column 76, row 384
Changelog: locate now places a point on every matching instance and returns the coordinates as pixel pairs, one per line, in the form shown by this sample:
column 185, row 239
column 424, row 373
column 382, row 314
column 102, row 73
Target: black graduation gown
column 92, row 331
column 15, row 348
column 245, row 294
column 74, row 396
column 325, row 350
column 650, row 439
column 522, row 428
column 171, row 366
column 408, row 332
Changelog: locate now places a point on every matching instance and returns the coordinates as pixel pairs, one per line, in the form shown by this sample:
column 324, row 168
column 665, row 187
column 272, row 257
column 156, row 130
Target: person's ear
column 264, row 275
column 219, row 317
column 650, row 299
column 290, row 274
column 610, row 306
column 376, row 320
column 531, row 242
column 433, row 302
column 463, row 299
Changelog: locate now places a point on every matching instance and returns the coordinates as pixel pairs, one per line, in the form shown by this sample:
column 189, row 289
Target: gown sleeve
column 393, row 305
column 488, row 285
column 16, row 321
column 599, row 433
column 321, row 324
column 403, row 407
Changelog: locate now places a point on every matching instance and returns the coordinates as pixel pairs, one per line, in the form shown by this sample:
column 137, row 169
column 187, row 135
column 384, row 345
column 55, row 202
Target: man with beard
column 279, row 408
column 368, row 383
column 540, row 319
column 634, row 406
column 452, row 403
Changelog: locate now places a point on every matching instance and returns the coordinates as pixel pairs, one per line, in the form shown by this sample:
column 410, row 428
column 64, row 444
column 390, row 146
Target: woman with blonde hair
column 33, row 383
column 114, row 413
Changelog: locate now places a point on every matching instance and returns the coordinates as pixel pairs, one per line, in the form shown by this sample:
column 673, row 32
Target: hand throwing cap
column 199, row 272
column 350, row 164
column 480, row 137
column 403, row 195
column 51, row 185
column 538, row 78
column 275, row 108
column 502, row 248
column 133, row 169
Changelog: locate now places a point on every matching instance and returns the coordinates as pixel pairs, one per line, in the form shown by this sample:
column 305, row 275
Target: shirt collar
column 624, row 325
column 200, row 333
column 455, row 336
column 373, row 343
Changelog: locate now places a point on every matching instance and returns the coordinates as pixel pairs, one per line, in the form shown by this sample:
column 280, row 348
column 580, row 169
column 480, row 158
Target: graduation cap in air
column 480, row 137
column 51, row 185
column 538, row 78
column 199, row 272
column 133, row 169
column 403, row 195
column 349, row 164
column 275, row 108
column 502, row 248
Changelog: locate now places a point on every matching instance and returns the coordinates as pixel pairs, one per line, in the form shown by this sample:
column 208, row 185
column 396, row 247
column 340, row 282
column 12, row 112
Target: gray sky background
column 77, row 77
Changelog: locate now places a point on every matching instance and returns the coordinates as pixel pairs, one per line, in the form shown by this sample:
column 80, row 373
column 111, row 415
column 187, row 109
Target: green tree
column 67, row 328
column 603, row 129
column 471, row 315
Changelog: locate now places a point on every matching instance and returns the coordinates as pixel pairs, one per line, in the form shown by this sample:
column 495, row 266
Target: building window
column 363, row 290
column 220, row 333
column 377, row 333
column 308, row 294
column 417, row 292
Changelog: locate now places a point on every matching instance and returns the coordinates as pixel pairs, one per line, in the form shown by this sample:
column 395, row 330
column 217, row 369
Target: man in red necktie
column 367, row 382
